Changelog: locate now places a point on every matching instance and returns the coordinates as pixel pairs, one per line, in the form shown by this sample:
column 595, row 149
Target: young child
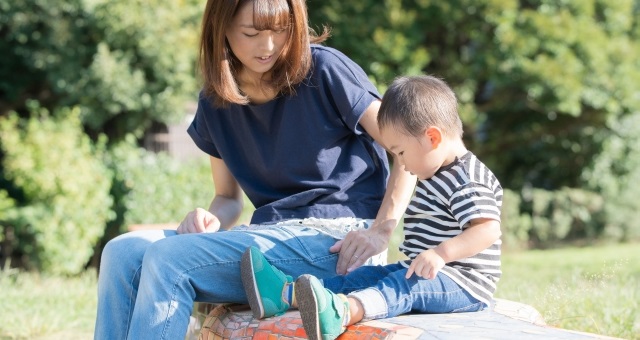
column 451, row 227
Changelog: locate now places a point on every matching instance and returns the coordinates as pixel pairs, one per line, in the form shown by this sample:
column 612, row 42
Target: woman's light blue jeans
column 149, row 280
column 385, row 292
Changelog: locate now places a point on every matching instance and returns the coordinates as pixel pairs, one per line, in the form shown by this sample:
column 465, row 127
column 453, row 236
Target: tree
column 125, row 64
column 541, row 83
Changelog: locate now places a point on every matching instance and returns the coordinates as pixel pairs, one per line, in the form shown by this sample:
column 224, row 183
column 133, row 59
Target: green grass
column 595, row 289
column 37, row 307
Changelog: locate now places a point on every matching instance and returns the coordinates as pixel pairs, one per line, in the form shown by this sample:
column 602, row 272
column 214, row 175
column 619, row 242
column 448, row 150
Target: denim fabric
column 385, row 292
column 149, row 280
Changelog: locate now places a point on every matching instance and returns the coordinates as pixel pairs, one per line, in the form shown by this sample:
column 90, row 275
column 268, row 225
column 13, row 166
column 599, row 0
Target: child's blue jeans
column 385, row 292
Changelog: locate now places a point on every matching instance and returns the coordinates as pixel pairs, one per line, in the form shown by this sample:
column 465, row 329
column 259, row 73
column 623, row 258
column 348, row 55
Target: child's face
column 421, row 156
column 256, row 50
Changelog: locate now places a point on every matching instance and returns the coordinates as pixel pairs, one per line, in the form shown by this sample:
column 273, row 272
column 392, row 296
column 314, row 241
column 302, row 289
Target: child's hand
column 427, row 264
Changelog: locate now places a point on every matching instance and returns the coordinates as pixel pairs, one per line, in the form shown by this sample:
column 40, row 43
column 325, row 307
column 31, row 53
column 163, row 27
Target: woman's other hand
column 199, row 221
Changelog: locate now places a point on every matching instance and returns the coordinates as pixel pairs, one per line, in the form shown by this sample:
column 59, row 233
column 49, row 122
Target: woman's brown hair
column 219, row 66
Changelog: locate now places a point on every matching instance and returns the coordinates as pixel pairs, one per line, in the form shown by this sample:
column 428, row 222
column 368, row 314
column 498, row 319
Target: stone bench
column 504, row 320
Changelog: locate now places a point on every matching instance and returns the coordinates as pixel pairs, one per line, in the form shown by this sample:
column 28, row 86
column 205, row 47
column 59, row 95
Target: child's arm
column 480, row 235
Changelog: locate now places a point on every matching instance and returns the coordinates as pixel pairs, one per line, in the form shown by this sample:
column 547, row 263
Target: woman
column 293, row 125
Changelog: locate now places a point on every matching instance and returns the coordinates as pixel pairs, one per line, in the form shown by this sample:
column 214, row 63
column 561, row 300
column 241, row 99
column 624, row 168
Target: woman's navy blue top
column 303, row 155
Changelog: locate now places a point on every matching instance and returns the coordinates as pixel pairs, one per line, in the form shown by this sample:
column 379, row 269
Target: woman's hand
column 359, row 245
column 199, row 221
column 427, row 264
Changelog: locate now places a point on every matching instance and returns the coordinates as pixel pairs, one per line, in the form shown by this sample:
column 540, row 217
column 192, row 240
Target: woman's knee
column 129, row 247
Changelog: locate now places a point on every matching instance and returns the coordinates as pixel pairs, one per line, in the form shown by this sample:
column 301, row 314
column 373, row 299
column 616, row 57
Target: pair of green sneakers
column 270, row 292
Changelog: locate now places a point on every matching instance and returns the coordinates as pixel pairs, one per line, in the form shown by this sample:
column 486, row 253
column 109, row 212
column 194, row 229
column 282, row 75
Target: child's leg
column 396, row 295
column 324, row 314
column 271, row 292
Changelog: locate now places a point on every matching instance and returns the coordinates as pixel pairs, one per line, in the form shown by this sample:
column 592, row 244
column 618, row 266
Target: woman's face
column 256, row 50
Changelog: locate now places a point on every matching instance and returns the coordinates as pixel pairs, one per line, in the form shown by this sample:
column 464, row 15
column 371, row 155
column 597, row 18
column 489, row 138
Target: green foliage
column 6, row 203
column 63, row 201
column 547, row 92
column 123, row 63
column 616, row 174
column 540, row 82
column 155, row 188
column 385, row 38
column 547, row 89
column 515, row 225
column 564, row 215
column 150, row 188
column 559, row 87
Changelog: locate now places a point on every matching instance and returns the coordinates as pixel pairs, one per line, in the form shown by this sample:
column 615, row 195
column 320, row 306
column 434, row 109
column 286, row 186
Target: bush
column 61, row 190
column 515, row 225
column 5, row 204
column 564, row 215
column 123, row 63
column 150, row 188
column 155, row 188
column 536, row 218
column 615, row 174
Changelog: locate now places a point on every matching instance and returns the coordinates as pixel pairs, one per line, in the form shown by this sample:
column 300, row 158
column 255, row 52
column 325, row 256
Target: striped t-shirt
column 442, row 207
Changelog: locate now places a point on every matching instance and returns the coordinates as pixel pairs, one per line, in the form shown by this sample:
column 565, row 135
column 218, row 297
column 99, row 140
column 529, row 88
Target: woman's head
column 268, row 39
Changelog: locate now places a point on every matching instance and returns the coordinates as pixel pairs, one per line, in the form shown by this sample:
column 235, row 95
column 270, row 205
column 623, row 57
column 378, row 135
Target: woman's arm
column 225, row 208
column 357, row 247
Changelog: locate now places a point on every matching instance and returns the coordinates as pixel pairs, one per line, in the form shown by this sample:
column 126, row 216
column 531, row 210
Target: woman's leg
column 396, row 295
column 361, row 278
column 118, row 281
column 177, row 271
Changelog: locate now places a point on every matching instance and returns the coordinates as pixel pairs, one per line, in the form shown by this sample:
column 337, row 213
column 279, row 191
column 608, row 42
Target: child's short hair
column 413, row 103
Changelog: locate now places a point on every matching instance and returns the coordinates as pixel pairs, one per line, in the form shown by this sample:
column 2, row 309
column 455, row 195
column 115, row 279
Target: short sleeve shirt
column 302, row 155
column 442, row 208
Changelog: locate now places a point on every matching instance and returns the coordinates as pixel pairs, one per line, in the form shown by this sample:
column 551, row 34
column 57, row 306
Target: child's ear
column 434, row 135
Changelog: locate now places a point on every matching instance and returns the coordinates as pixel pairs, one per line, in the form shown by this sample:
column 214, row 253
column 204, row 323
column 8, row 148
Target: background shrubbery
column 155, row 188
column 548, row 94
column 60, row 188
column 124, row 64
column 108, row 70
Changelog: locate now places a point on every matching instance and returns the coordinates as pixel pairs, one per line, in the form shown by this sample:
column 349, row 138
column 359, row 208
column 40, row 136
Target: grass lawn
column 37, row 307
column 594, row 289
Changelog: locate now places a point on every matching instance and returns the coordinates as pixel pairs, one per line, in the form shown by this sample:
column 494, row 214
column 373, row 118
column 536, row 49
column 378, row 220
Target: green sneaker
column 323, row 312
column 265, row 285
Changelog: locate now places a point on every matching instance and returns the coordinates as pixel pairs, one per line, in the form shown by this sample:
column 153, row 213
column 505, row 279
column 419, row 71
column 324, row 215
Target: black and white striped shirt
column 442, row 207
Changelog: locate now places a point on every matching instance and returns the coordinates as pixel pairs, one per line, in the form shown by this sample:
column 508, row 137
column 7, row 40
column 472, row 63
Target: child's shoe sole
column 250, row 285
column 308, row 307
